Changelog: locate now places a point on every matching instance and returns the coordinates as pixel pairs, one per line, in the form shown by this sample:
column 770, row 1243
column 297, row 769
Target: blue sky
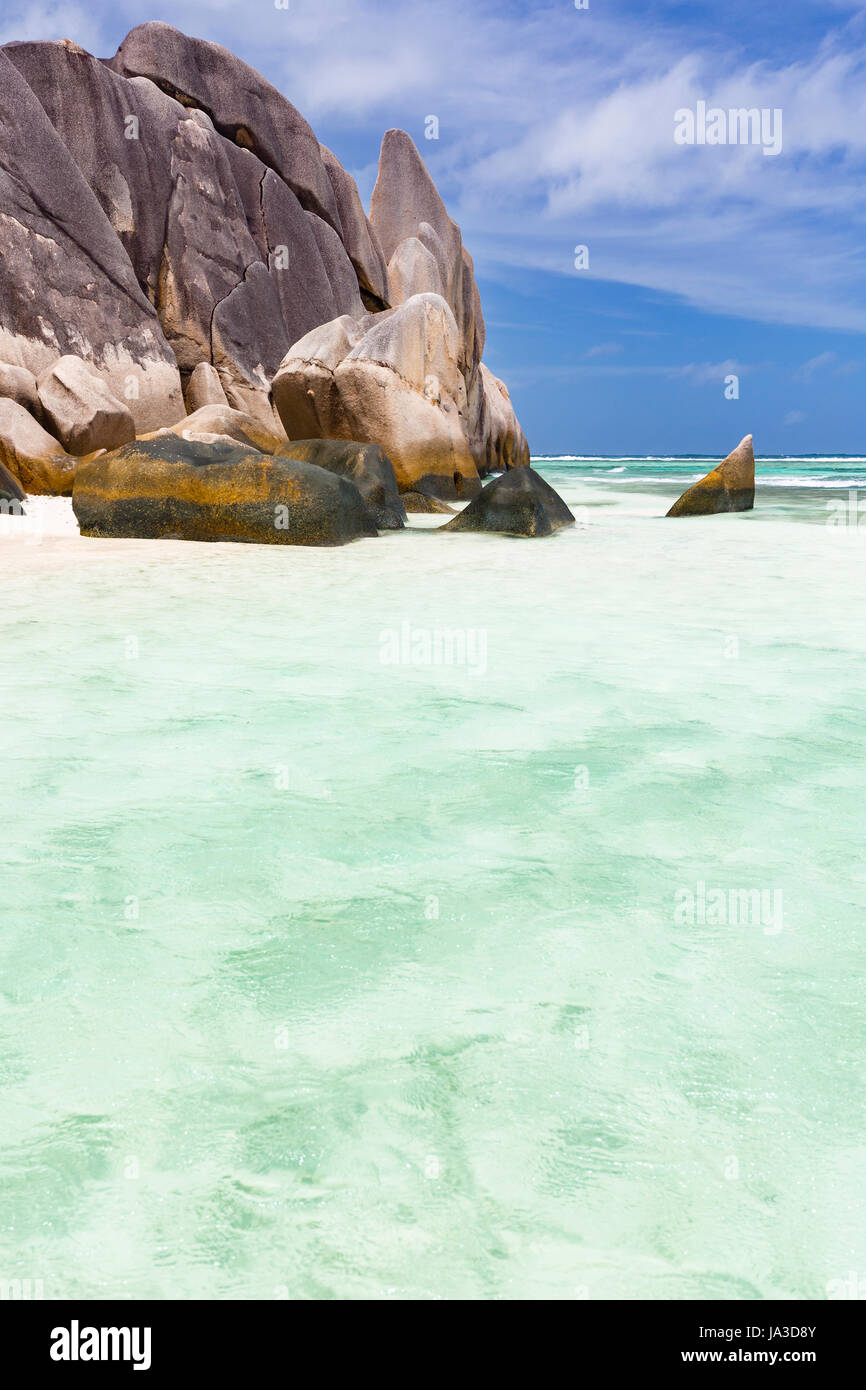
column 556, row 130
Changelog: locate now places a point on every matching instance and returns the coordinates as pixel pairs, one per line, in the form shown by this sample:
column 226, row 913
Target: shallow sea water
column 331, row 970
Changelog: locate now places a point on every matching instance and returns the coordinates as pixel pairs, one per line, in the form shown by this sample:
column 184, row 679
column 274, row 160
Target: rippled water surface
column 329, row 969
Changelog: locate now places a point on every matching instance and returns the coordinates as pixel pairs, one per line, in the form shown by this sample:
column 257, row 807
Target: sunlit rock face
column 169, row 219
column 728, row 488
column 411, row 380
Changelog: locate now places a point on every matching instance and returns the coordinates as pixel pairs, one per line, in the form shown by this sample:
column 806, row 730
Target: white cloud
column 604, row 350
column 51, row 21
column 556, row 132
column 815, row 365
column 557, row 129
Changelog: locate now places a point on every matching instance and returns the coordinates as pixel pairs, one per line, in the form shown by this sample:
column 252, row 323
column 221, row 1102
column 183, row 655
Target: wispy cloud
column 826, row 362
column 604, row 350
column 815, row 365
column 58, row 20
column 556, row 128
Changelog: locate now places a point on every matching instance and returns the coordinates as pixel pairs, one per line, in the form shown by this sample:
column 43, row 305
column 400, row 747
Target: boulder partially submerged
column 175, row 488
column 728, row 488
column 519, row 503
column 366, row 465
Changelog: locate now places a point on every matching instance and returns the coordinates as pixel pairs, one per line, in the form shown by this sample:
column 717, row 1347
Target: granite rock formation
column 365, row 465
column 411, row 379
column 19, row 385
column 235, row 424
column 169, row 220
column 32, row 455
column 398, row 384
column 518, row 503
column 80, row 410
column 181, row 489
column 728, row 488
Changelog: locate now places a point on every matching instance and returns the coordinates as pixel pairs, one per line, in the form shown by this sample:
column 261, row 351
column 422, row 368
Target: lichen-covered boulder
column 32, row 455
column 174, row 488
column 366, row 465
column 728, row 488
column 519, row 503
column 420, row 502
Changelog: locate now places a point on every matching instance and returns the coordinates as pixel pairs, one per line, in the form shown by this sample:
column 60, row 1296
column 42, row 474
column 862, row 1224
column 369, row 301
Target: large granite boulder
column 497, row 441
column 519, row 503
column 410, row 218
column 204, row 388
column 119, row 135
column 307, row 280
column 412, row 270
column 66, row 282
column 235, row 424
column 174, row 488
column 32, row 455
column 366, row 465
column 405, row 197
column 80, row 409
column 728, row 488
column 411, row 380
column 226, row 298
column 19, row 385
column 393, row 380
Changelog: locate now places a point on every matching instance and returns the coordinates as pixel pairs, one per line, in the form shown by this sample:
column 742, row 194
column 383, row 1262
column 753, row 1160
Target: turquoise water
column 329, row 969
